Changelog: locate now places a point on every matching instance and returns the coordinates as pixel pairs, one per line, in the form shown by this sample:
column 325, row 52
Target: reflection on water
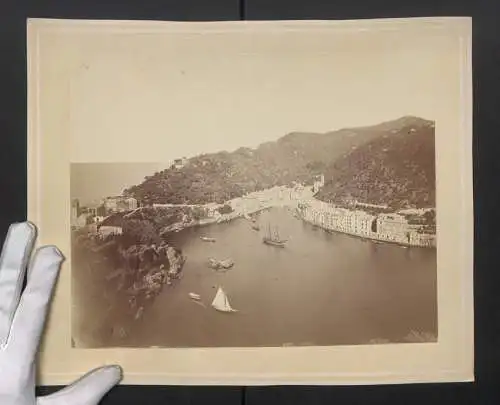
column 321, row 289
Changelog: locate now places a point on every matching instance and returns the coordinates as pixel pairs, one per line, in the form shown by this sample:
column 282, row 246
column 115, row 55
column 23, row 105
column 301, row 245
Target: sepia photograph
column 311, row 239
column 254, row 203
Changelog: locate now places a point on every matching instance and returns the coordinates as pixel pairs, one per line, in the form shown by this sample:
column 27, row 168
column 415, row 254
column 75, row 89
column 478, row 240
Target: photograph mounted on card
column 255, row 203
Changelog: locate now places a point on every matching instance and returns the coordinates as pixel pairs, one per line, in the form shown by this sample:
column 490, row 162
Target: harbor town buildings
column 387, row 227
column 411, row 227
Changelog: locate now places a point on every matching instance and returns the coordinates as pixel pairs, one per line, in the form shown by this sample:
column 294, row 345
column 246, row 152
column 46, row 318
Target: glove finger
column 88, row 390
column 15, row 256
column 29, row 319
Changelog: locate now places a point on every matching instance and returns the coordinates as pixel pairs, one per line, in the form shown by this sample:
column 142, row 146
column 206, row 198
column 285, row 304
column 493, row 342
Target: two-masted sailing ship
column 273, row 239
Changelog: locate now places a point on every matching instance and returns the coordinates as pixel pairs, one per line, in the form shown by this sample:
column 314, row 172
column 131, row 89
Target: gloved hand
column 22, row 319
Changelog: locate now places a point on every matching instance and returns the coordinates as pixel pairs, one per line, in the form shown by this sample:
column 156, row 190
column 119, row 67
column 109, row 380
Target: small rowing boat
column 194, row 296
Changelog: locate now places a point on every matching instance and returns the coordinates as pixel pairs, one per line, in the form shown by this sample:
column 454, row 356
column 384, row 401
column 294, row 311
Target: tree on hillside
column 316, row 166
column 136, row 231
column 397, row 170
column 225, row 209
column 198, row 213
column 298, row 156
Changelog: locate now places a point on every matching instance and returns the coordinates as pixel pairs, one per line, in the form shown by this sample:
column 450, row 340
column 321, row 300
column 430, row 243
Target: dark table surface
column 486, row 54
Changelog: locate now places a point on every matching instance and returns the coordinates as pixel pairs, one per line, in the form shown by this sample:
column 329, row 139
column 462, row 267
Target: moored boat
column 194, row 296
column 220, row 264
column 273, row 239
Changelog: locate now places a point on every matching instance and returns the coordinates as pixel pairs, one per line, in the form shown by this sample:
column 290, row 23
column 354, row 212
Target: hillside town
column 91, row 214
column 409, row 227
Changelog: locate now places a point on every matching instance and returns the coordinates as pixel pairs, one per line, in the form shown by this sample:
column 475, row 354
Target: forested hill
column 397, row 169
column 297, row 156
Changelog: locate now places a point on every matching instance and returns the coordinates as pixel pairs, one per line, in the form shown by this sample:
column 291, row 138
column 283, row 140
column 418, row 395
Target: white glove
column 22, row 319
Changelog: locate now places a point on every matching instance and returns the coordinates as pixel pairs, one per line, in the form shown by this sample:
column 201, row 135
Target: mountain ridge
column 297, row 156
column 397, row 169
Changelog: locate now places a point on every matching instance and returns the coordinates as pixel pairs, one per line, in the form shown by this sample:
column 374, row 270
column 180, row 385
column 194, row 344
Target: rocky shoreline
column 130, row 276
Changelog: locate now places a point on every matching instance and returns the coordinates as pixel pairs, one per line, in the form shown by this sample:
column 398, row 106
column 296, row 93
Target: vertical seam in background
column 242, row 13
column 242, row 9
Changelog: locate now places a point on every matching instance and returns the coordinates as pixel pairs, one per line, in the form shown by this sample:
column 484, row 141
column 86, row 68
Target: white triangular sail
column 221, row 302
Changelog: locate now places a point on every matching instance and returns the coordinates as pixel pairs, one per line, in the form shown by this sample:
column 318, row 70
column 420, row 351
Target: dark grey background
column 486, row 55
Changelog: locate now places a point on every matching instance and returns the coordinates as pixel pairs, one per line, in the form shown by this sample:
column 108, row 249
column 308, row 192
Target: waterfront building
column 319, row 182
column 363, row 223
column 106, row 230
column 80, row 221
column 392, row 227
column 119, row 204
column 75, row 212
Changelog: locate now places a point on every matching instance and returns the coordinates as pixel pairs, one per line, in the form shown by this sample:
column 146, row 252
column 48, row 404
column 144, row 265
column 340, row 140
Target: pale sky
column 153, row 98
column 90, row 182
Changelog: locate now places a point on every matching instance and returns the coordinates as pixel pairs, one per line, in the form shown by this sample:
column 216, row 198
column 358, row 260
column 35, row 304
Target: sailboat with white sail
column 273, row 239
column 221, row 302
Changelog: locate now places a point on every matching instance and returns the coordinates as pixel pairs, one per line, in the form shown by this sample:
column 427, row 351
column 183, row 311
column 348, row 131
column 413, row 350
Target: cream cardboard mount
column 61, row 53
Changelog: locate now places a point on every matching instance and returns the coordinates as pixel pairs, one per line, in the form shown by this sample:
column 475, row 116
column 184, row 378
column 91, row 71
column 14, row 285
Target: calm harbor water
column 321, row 289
